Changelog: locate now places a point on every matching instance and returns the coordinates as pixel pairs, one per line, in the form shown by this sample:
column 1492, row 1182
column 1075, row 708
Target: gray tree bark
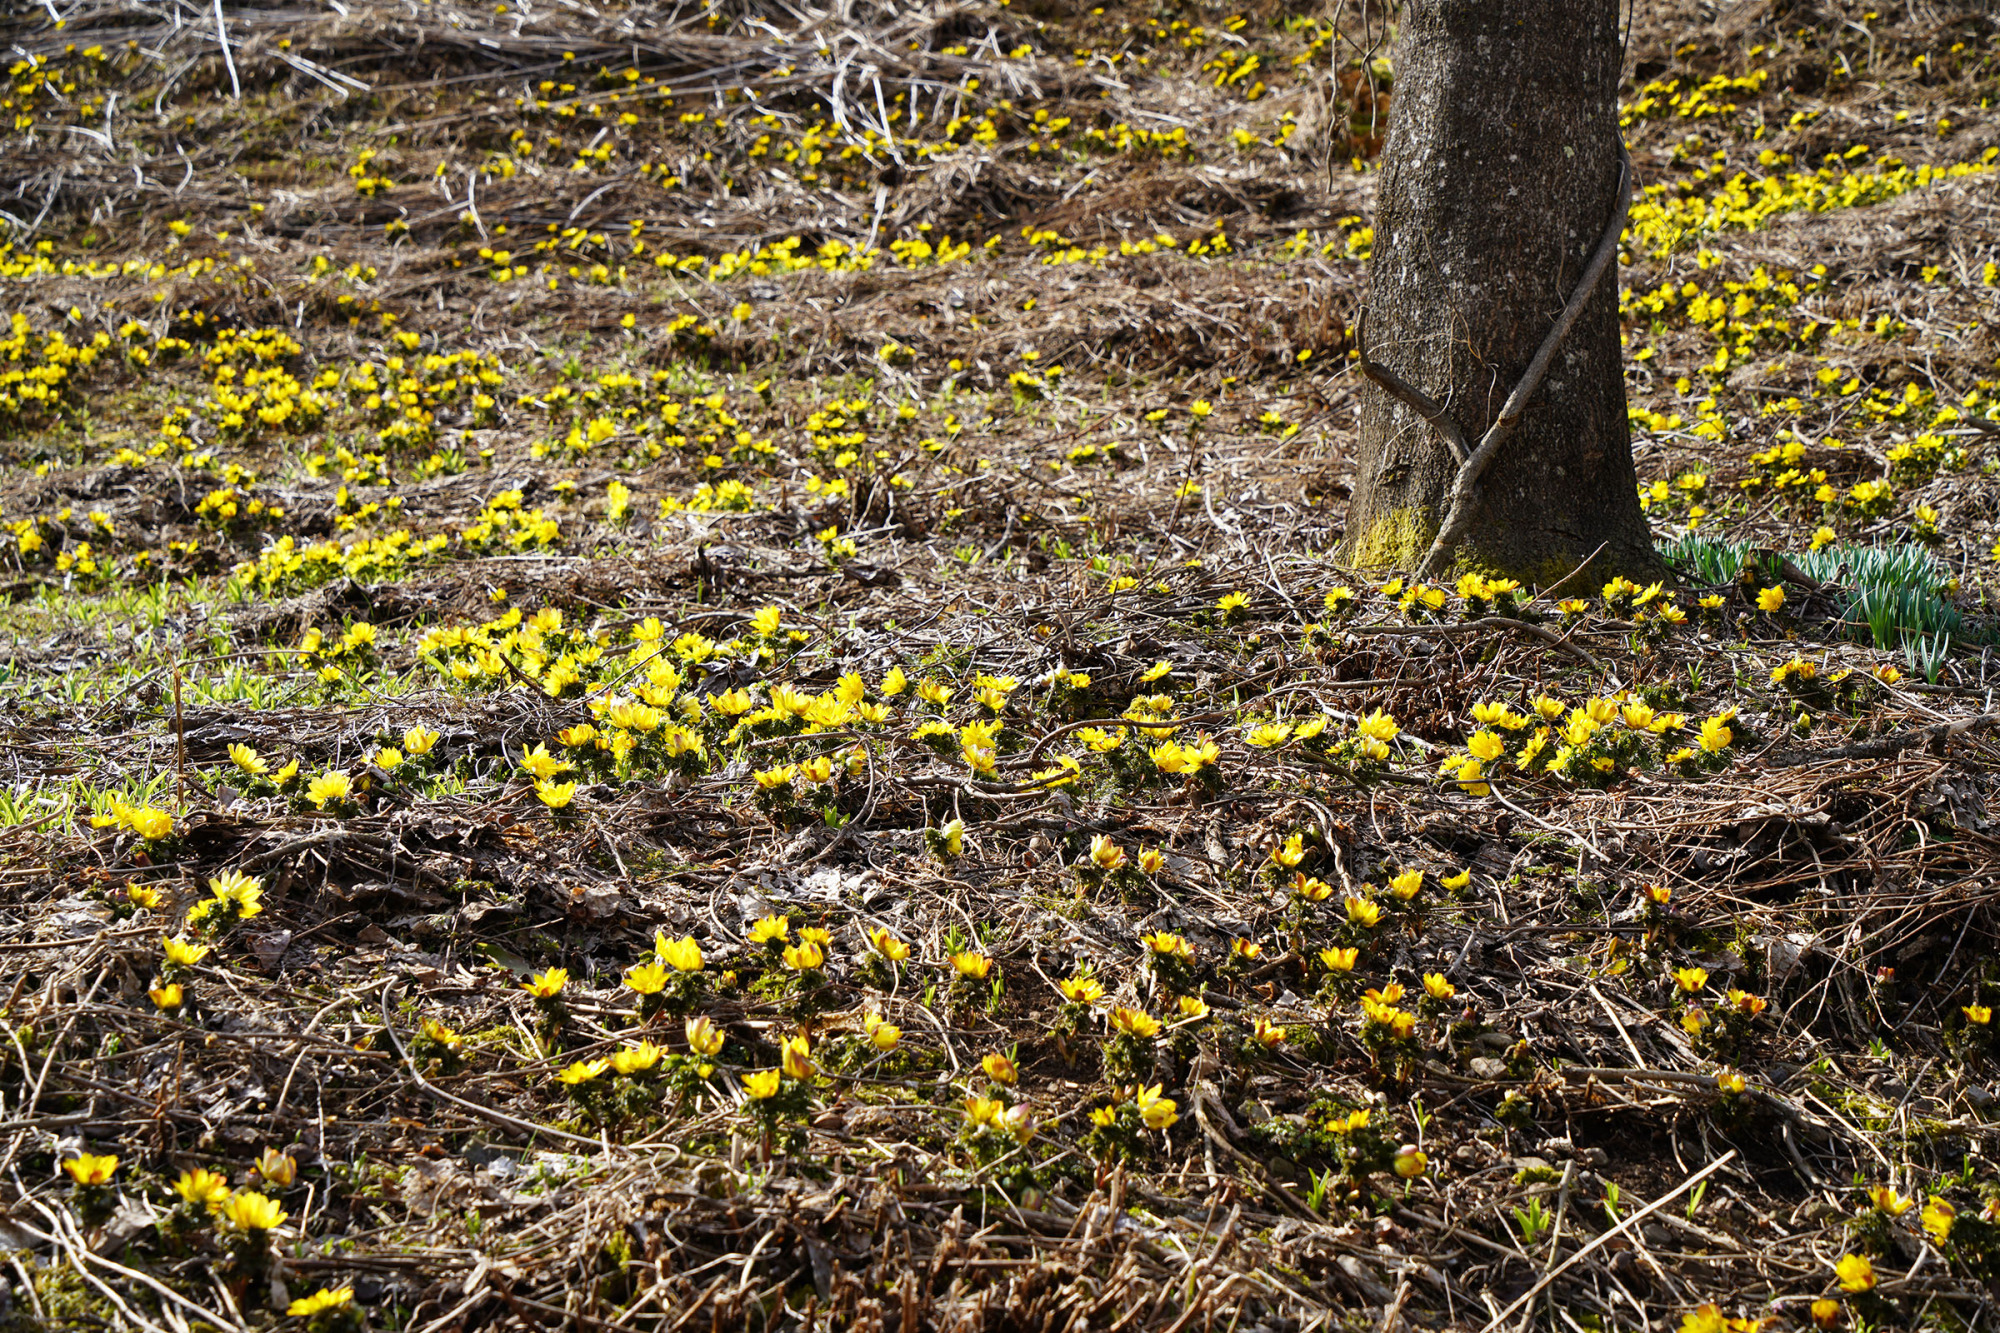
column 1501, row 175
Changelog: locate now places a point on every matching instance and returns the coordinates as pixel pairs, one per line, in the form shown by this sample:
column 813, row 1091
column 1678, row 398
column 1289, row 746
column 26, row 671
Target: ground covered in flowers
column 684, row 669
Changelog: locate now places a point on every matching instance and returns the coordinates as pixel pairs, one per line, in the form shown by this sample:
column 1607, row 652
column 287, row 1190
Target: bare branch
column 1464, row 496
column 1404, row 391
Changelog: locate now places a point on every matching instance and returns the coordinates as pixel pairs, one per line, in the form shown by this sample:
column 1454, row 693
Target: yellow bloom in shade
column 973, row 965
column 91, row 1169
column 804, row 956
column 1825, row 1312
column 1856, row 1274
column 768, row 928
column 1158, row 1112
column 882, row 1034
column 1939, row 1216
column 1458, row 881
column 1134, row 1022
column 1000, row 1069
column 763, row 1084
column 202, row 1187
column 1363, row 912
column 796, row 1058
column 1770, row 599
column 250, row 1211
column 168, row 997
column 1339, row 960
column 682, row 955
column 180, row 953
column 1152, row 860
column 321, row 1301
column 278, row 1168
column 1246, row 949
column 704, row 1037
column 547, row 985
column 1693, row 1021
column 1690, row 979
column 647, row 978
column 1405, row 885
column 1081, row 989
column 1193, row 1006
column 1978, row 1013
column 1437, row 987
column 1266, row 1033
column 1410, row 1162
column 885, row 943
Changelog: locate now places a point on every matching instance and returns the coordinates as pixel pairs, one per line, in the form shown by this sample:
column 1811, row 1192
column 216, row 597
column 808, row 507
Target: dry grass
column 1832, row 862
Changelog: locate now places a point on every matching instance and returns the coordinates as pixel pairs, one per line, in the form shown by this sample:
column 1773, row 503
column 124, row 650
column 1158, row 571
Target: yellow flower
column 1152, row 860
column 1246, row 949
column 1458, row 881
column 635, row 1059
column 1339, row 960
column 1156, row 671
column 1731, row 1082
column 1081, row 989
column 703, row 1036
column 796, row 1058
column 1471, row 778
column 547, row 985
column 419, row 740
column 973, row 965
column 1410, row 1162
column 1825, row 1312
column 1856, row 1274
column 954, row 837
column 1939, row 1216
column 1106, row 854
column 1291, row 852
column 1406, row 884
column 1379, row 726
column 647, row 978
column 248, row 760
column 328, row 787
column 250, row 1211
column 895, row 682
column 1000, row 1069
column 320, row 1301
column 682, row 955
column 1978, row 1013
column 883, row 942
column 984, row 1111
column 1770, row 599
column 1266, row 1033
column 180, row 953
column 768, row 928
column 1134, row 1022
column 89, row 1169
column 1437, row 987
column 202, row 1187
column 804, row 956
column 1363, row 912
column 1715, row 735
column 387, row 758
column 1158, row 1112
column 1168, row 945
column 150, row 824
column 168, row 997
column 139, row 895
column 1690, row 979
column 1193, row 1006
column 245, row 891
column 1888, row 1201
column 763, row 1084
column 1485, row 746
column 277, row 1167
column 881, row 1032
column 1311, row 888
column 555, row 795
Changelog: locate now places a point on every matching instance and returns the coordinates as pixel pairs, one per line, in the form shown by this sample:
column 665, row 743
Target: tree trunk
column 1499, row 180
